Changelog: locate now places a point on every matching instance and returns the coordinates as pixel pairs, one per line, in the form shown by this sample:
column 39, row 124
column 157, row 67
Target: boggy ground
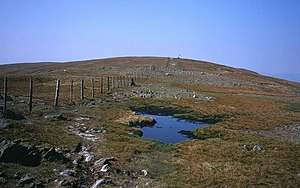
column 253, row 141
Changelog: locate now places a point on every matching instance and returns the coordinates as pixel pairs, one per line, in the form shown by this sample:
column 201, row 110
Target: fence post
column 30, row 94
column 101, row 85
column 56, row 92
column 82, row 89
column 71, row 90
column 118, row 81
column 132, row 82
column 124, row 81
column 4, row 94
column 93, row 90
column 108, row 84
column 121, row 81
column 112, row 82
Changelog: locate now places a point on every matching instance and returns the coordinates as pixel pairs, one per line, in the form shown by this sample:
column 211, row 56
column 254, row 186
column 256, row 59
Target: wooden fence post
column 112, row 82
column 124, row 81
column 30, row 94
column 4, row 94
column 71, row 90
column 101, row 85
column 56, row 92
column 132, row 82
column 82, row 89
column 118, row 81
column 93, row 89
column 108, row 84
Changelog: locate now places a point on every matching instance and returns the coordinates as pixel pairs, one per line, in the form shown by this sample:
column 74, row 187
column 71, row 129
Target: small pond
column 167, row 128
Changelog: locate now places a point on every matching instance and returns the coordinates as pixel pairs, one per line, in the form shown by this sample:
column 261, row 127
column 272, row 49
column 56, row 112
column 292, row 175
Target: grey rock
column 144, row 172
column 36, row 185
column 26, row 180
column 77, row 148
column 4, row 124
column 9, row 114
column 56, row 117
column 17, row 175
column 52, row 155
column 104, row 161
column 68, row 172
column 89, row 158
column 2, row 181
column 30, row 155
column 98, row 183
column 245, row 148
column 11, row 151
column 104, row 168
column 8, row 98
column 256, row 148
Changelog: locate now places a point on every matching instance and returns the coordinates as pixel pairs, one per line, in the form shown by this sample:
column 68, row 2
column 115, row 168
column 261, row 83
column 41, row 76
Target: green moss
column 52, row 133
column 159, row 146
column 207, row 133
column 212, row 119
column 294, row 107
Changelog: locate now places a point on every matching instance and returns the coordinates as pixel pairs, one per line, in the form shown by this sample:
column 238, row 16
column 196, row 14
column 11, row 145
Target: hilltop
column 136, row 65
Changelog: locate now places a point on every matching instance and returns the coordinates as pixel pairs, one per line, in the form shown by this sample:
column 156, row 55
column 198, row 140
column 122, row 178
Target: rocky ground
column 79, row 166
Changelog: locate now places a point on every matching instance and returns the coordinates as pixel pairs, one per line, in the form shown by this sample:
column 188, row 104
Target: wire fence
column 61, row 91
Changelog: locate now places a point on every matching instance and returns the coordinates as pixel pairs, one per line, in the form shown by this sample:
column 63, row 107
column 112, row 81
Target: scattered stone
column 8, row 98
column 98, row 183
column 27, row 155
column 104, row 168
column 144, row 172
column 104, row 161
column 9, row 114
column 12, row 151
column 26, row 180
column 2, row 174
column 68, row 172
column 136, row 131
column 33, row 158
column 245, row 148
column 56, row 117
column 88, row 136
column 4, row 124
column 77, row 148
column 256, row 148
column 87, row 156
column 65, row 183
column 2, row 181
column 17, row 175
column 208, row 98
column 83, row 118
column 36, row 185
column 52, row 155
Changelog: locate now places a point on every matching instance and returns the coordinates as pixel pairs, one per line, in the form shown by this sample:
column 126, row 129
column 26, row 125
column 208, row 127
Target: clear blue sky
column 260, row 35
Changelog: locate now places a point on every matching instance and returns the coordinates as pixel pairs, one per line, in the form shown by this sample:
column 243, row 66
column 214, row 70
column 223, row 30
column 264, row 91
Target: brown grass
column 245, row 112
column 222, row 162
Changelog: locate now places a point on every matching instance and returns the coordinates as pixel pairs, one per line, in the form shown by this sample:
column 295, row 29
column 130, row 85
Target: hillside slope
column 207, row 72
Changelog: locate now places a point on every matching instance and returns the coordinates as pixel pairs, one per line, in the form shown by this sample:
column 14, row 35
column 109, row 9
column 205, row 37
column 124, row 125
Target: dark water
column 167, row 127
